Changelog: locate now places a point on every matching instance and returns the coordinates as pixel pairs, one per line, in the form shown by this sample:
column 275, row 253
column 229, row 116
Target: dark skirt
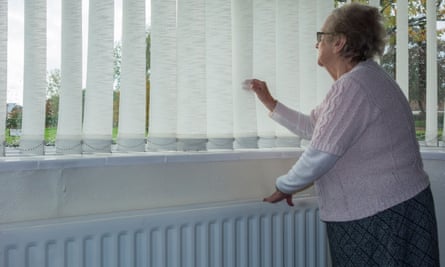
column 404, row 235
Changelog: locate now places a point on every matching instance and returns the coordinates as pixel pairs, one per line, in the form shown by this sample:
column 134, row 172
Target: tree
column 147, row 52
column 14, row 120
column 117, row 52
column 53, row 81
column 147, row 77
column 417, row 47
column 52, row 98
column 117, row 62
column 116, row 97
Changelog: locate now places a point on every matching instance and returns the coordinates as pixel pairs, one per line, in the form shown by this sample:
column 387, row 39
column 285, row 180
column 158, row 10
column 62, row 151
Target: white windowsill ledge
column 139, row 158
column 15, row 163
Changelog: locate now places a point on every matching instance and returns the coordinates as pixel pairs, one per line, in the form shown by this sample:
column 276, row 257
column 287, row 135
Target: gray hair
column 363, row 28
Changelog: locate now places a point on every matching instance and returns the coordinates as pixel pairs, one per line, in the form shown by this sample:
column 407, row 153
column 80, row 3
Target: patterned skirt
column 404, row 235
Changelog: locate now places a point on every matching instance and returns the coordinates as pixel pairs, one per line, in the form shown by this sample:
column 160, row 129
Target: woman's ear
column 339, row 43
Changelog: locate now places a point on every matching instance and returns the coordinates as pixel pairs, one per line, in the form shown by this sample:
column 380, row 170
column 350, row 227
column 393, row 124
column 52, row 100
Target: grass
column 420, row 134
column 50, row 135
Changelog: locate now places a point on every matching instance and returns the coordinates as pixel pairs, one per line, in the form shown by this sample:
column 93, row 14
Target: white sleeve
column 294, row 121
column 310, row 166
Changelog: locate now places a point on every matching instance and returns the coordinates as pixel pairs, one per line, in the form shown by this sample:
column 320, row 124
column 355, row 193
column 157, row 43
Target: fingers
column 261, row 91
column 289, row 201
column 253, row 84
column 278, row 196
column 272, row 198
column 247, row 84
column 258, row 85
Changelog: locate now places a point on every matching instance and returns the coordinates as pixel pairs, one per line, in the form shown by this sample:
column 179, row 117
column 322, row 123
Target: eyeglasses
column 319, row 34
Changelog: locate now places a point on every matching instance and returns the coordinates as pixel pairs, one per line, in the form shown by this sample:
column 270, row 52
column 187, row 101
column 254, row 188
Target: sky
column 16, row 36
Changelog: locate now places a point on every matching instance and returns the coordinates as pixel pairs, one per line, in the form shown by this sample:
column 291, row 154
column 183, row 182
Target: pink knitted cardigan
column 366, row 120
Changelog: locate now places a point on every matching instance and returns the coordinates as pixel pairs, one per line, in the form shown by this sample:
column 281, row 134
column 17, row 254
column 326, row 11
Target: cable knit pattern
column 366, row 120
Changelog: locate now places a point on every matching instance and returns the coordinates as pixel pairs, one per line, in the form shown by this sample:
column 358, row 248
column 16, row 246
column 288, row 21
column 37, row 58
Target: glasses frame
column 320, row 34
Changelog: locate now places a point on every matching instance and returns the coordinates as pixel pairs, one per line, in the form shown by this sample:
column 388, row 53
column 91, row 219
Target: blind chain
column 42, row 144
column 68, row 148
column 132, row 146
column 97, row 148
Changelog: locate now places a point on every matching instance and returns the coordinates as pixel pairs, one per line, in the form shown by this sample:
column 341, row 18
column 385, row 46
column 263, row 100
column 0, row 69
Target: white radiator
column 248, row 234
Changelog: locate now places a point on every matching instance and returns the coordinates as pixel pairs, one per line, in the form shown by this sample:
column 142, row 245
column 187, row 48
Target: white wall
column 53, row 187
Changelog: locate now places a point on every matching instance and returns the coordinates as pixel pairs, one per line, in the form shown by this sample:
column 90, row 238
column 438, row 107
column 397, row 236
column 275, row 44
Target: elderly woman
column 363, row 157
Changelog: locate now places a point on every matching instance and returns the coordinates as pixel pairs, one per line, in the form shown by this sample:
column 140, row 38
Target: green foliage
column 117, row 62
column 420, row 135
column 50, row 135
column 52, row 98
column 53, row 83
column 11, row 140
column 147, row 53
column 417, row 49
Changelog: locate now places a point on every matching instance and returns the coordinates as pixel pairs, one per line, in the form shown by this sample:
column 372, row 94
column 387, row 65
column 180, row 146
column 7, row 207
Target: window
column 200, row 52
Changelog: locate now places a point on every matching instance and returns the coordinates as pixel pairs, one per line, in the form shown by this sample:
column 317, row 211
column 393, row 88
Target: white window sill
column 14, row 163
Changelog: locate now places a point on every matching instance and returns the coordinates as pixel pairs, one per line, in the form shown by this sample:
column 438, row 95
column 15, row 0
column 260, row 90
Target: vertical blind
column 34, row 77
column 201, row 52
column 131, row 134
column 69, row 127
column 163, row 76
column 431, row 74
column 219, row 45
column 218, row 79
column 191, row 80
column 287, row 64
column 245, row 121
column 3, row 66
column 98, row 112
column 402, row 46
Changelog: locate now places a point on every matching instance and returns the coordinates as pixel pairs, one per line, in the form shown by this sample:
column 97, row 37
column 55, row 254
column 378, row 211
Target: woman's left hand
column 277, row 196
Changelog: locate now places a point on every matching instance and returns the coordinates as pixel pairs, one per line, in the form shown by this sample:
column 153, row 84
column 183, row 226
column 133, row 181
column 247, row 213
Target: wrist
column 272, row 104
column 278, row 190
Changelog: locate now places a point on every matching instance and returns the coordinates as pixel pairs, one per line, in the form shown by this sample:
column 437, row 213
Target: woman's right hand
column 262, row 92
column 278, row 196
